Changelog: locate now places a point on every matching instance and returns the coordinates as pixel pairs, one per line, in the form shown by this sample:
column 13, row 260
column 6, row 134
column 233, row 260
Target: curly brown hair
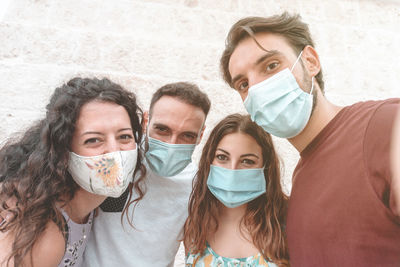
column 33, row 169
column 264, row 217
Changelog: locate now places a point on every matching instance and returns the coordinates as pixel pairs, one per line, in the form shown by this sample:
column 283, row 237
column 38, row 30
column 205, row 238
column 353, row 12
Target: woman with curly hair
column 237, row 208
column 63, row 167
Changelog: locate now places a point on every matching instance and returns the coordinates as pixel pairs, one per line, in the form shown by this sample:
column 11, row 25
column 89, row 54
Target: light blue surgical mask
column 236, row 187
column 279, row 105
column 168, row 159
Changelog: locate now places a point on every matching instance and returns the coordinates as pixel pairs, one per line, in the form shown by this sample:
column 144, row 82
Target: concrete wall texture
column 146, row 44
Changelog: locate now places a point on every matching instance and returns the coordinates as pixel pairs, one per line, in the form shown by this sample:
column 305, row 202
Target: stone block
column 220, row 6
column 28, row 11
column 11, row 39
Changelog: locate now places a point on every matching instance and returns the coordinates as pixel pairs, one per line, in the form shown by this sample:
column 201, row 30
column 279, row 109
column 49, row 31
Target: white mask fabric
column 108, row 174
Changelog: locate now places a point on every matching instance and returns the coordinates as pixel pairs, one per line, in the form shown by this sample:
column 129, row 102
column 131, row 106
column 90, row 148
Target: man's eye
column 272, row 66
column 242, row 86
column 190, row 136
column 161, row 129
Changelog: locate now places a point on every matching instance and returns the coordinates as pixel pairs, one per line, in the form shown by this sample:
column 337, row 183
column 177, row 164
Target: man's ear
column 145, row 121
column 311, row 60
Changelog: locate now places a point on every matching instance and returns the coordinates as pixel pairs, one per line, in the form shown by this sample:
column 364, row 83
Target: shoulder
column 381, row 121
column 369, row 108
column 49, row 249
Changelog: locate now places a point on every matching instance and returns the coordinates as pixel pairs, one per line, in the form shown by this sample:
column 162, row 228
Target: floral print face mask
column 107, row 175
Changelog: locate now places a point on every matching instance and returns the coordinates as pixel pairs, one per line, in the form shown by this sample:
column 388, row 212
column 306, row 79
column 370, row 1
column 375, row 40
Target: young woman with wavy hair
column 63, row 167
column 237, row 208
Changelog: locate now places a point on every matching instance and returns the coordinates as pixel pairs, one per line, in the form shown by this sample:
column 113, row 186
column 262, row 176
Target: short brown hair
column 288, row 26
column 187, row 92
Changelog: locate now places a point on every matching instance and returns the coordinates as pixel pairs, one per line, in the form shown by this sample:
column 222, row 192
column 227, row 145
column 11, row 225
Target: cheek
column 76, row 147
column 87, row 152
column 129, row 146
column 244, row 95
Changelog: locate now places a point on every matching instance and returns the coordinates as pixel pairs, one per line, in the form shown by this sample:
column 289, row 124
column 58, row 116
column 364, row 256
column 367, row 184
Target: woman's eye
column 91, row 141
column 126, row 136
column 248, row 162
column 221, row 157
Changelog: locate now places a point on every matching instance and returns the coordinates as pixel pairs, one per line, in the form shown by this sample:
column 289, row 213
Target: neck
column 233, row 215
column 80, row 206
column 323, row 113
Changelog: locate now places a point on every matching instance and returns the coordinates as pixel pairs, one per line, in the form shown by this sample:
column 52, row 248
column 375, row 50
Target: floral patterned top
column 212, row 259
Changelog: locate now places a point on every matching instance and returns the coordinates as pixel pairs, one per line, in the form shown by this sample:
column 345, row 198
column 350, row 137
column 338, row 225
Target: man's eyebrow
column 160, row 125
column 269, row 54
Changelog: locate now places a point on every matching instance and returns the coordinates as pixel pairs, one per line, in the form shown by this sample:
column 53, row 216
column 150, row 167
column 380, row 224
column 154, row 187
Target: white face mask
column 108, row 174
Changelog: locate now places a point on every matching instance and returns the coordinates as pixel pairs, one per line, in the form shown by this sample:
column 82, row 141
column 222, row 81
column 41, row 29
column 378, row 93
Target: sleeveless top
column 211, row 259
column 76, row 236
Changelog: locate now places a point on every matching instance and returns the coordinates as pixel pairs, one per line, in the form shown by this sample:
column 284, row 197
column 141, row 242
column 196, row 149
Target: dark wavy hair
column 33, row 169
column 265, row 216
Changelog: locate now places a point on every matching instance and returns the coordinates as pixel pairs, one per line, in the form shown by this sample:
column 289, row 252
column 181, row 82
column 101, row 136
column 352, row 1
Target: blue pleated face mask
column 236, row 187
column 168, row 159
column 279, row 105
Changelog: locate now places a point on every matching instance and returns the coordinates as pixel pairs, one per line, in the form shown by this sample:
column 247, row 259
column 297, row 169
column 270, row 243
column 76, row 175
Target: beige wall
column 145, row 44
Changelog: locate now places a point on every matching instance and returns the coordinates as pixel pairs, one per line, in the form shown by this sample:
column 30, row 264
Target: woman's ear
column 311, row 60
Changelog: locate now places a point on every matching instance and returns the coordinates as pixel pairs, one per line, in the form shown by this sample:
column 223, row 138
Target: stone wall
column 145, row 44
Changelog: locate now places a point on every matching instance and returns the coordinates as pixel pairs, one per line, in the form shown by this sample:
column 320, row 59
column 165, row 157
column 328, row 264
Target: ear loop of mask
column 312, row 78
column 298, row 58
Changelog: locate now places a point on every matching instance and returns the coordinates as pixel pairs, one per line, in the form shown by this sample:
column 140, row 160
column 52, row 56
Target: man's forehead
column 172, row 112
column 248, row 53
column 172, row 106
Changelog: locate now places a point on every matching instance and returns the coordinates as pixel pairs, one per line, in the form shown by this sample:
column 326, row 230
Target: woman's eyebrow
column 226, row 152
column 249, row 155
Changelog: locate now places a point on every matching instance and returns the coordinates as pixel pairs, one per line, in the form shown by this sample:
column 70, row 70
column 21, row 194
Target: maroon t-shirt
column 340, row 209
